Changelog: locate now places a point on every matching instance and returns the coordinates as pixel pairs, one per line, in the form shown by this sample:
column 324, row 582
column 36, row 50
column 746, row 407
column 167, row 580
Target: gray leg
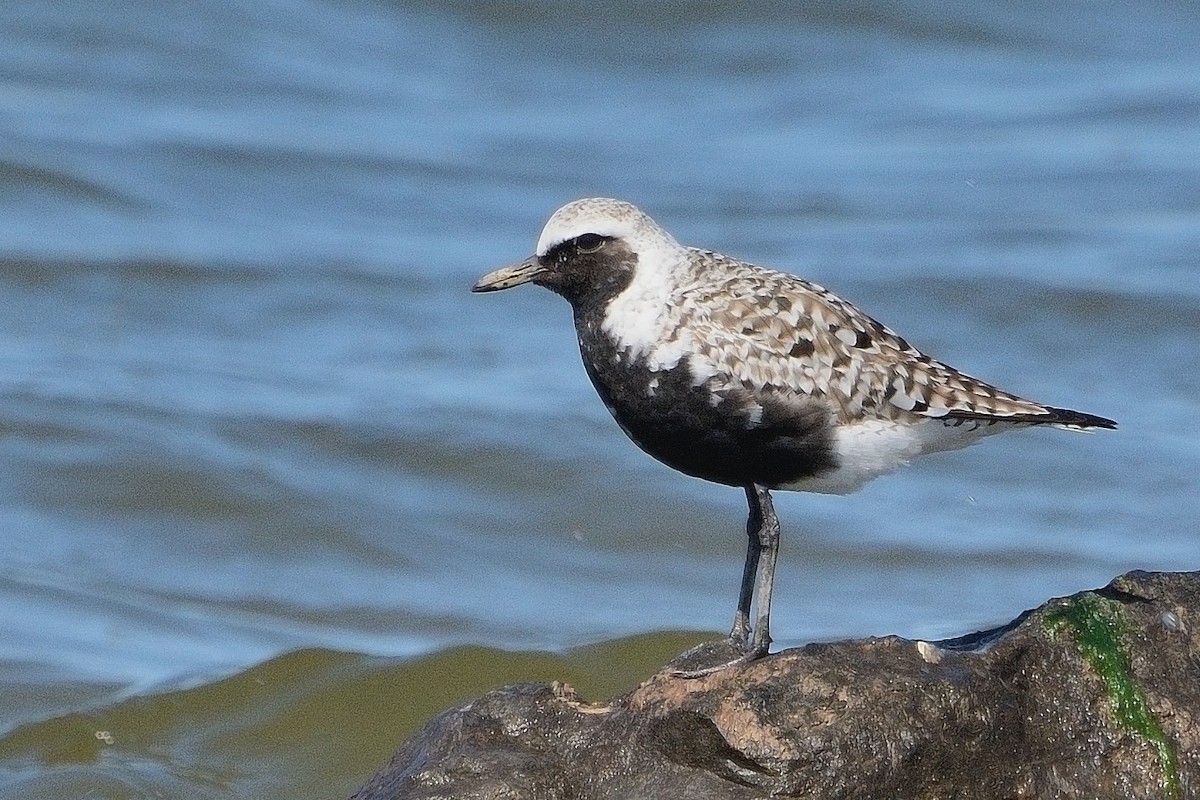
column 758, row 578
column 740, row 632
column 762, row 510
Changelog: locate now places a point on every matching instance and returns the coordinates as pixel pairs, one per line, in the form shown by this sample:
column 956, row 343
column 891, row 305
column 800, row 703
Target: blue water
column 248, row 405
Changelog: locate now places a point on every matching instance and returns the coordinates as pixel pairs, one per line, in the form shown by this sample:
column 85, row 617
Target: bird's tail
column 1060, row 417
column 1076, row 419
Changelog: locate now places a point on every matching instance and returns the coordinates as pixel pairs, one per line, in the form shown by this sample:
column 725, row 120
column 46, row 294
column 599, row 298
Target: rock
column 1091, row 696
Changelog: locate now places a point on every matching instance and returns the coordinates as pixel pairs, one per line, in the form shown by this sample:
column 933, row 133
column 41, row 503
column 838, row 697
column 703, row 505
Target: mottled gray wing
column 767, row 329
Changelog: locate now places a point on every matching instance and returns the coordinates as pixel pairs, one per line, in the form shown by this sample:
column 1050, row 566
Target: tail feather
column 1052, row 416
column 1078, row 419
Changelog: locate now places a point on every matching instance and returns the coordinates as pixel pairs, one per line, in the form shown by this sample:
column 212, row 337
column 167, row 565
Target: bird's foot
column 732, row 651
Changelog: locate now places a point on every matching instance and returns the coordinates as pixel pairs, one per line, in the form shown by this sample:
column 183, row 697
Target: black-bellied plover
column 750, row 377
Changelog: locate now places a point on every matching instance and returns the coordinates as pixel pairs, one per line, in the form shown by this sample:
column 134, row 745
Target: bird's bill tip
column 508, row 277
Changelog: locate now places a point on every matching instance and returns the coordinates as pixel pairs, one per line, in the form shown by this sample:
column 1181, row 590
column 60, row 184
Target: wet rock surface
column 1096, row 695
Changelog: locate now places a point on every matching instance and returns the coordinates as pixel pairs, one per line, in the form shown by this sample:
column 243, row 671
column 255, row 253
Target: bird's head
column 588, row 248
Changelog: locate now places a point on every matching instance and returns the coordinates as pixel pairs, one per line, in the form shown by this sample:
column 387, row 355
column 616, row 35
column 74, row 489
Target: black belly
column 710, row 435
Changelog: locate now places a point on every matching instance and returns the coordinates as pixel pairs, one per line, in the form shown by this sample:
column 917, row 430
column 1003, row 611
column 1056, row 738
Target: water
column 263, row 457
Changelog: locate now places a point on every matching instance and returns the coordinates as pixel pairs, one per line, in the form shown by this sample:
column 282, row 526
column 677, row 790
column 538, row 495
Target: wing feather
column 782, row 334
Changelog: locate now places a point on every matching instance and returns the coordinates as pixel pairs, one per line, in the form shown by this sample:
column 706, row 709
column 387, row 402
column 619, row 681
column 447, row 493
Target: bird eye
column 589, row 242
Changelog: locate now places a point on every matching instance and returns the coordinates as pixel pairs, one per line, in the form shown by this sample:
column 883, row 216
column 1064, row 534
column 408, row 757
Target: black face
column 587, row 269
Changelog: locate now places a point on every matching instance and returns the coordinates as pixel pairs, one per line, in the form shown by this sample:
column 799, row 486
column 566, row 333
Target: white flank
column 865, row 450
